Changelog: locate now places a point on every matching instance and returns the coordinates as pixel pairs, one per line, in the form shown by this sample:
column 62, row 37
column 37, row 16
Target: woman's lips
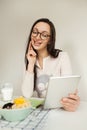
column 37, row 43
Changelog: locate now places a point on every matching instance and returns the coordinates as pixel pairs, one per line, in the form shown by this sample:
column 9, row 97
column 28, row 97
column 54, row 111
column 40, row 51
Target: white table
column 63, row 120
column 57, row 120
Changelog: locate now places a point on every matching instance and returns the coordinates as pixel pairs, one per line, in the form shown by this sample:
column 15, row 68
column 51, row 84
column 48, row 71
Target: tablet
column 59, row 87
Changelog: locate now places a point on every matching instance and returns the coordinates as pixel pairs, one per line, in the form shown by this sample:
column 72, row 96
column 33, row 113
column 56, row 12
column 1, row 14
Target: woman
column 43, row 60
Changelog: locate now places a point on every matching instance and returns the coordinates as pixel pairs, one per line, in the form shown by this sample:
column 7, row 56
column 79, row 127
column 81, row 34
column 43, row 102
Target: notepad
column 59, row 87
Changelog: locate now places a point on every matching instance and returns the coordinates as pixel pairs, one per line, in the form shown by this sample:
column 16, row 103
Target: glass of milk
column 7, row 91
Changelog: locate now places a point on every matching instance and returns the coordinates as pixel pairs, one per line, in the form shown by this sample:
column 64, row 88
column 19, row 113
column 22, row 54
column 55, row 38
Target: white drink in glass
column 7, row 92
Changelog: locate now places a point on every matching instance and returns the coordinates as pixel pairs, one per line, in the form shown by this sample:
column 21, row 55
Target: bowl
column 15, row 114
column 35, row 102
column 20, row 113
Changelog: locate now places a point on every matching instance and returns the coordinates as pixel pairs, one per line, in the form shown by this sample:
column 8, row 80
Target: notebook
column 59, row 87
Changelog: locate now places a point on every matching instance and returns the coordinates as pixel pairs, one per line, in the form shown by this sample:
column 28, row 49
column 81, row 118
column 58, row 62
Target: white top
column 59, row 66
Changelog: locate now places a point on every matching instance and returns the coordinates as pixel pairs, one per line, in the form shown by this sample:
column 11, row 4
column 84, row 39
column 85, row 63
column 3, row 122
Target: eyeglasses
column 43, row 35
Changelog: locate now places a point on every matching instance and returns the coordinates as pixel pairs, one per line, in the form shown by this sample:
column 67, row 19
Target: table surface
column 57, row 119
column 64, row 120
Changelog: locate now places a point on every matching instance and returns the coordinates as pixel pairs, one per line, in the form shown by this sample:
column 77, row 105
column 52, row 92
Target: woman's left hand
column 71, row 102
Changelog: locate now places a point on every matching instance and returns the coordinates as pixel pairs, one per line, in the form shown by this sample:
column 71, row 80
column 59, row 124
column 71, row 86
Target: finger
column 74, row 97
column 30, row 46
column 76, row 92
column 70, row 109
column 69, row 106
column 66, row 105
column 31, row 53
column 70, row 101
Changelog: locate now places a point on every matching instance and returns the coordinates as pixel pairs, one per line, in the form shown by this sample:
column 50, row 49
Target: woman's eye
column 44, row 35
column 35, row 32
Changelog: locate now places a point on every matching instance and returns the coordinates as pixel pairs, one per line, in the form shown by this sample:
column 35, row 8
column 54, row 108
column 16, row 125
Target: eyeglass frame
column 41, row 34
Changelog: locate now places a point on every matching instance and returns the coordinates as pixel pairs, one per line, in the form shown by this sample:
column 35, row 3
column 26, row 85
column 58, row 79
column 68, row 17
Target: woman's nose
column 38, row 36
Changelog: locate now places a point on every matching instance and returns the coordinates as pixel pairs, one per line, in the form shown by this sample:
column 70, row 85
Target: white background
column 16, row 19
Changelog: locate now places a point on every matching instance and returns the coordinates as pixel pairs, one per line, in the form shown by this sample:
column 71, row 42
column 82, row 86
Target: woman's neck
column 41, row 56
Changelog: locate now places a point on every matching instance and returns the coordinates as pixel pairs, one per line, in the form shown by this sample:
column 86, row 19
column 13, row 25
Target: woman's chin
column 37, row 47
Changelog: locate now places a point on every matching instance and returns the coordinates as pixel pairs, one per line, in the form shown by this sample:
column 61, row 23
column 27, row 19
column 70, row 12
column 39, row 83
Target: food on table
column 7, row 105
column 19, row 102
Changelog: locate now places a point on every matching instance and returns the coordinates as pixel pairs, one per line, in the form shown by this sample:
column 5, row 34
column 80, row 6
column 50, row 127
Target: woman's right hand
column 31, row 57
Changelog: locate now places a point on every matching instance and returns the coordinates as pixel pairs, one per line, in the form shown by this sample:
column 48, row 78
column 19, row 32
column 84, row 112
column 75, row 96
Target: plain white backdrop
column 16, row 19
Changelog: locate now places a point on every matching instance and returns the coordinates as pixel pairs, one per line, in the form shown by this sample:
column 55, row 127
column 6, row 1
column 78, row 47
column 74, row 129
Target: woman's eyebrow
column 38, row 30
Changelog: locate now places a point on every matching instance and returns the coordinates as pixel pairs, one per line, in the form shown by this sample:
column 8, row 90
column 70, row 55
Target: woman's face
column 40, row 36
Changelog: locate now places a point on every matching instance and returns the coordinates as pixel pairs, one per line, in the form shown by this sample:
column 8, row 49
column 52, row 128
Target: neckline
column 44, row 59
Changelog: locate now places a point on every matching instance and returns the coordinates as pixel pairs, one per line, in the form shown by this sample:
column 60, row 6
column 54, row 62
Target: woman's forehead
column 42, row 26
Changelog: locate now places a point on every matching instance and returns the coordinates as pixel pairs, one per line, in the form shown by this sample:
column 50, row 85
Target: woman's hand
column 31, row 57
column 71, row 102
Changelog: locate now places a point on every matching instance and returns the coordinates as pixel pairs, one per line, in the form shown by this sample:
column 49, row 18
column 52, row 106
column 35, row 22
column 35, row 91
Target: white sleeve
column 28, row 85
column 66, row 68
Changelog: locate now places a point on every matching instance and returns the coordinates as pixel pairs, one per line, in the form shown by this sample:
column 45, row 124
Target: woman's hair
column 50, row 47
